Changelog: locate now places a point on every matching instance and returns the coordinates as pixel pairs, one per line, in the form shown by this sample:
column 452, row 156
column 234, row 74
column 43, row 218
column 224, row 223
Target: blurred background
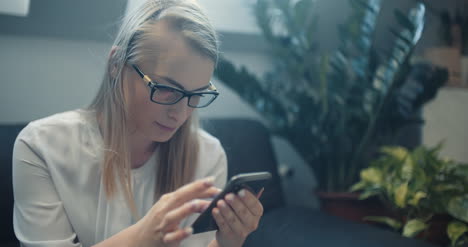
column 53, row 52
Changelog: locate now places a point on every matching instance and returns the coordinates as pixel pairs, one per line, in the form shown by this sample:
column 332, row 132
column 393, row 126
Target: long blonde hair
column 177, row 157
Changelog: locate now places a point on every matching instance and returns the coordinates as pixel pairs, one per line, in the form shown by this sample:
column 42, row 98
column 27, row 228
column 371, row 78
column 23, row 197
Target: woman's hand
column 160, row 226
column 237, row 216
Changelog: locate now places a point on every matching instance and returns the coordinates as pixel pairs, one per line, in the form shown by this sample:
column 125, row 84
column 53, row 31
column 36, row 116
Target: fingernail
column 217, row 191
column 260, row 193
column 242, row 193
column 194, row 205
column 230, row 197
column 189, row 230
column 209, row 181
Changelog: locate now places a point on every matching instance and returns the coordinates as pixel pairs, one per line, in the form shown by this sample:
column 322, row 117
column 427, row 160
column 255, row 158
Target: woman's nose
column 179, row 109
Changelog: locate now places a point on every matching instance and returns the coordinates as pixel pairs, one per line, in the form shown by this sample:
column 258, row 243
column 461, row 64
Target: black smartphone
column 253, row 182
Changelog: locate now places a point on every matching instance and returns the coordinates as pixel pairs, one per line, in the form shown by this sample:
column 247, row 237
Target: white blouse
column 59, row 196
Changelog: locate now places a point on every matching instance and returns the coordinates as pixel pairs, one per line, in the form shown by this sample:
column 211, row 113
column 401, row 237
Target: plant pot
column 347, row 205
column 437, row 231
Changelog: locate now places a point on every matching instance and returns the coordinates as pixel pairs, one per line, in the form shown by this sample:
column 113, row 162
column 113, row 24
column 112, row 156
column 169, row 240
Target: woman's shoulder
column 207, row 140
column 57, row 127
column 63, row 118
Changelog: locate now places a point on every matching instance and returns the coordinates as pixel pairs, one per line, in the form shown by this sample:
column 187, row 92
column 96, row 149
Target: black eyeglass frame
column 154, row 85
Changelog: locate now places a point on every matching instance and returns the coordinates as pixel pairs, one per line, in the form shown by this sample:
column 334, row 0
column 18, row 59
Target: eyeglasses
column 167, row 95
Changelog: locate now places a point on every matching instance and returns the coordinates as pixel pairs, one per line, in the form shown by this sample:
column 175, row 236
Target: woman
column 127, row 171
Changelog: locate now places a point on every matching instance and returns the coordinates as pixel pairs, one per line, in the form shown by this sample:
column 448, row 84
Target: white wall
column 45, row 76
column 227, row 15
column 230, row 104
column 447, row 120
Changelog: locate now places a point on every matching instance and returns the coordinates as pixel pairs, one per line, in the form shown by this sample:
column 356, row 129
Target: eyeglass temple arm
column 145, row 77
column 212, row 87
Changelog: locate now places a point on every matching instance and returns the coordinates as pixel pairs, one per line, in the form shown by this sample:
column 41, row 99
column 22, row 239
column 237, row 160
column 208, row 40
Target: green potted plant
column 337, row 108
column 419, row 187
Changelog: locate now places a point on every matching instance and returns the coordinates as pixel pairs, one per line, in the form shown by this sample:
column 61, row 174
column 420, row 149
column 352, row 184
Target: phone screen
column 253, row 182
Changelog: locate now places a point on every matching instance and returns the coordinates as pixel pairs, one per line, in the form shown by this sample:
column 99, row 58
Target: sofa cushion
column 248, row 148
column 8, row 134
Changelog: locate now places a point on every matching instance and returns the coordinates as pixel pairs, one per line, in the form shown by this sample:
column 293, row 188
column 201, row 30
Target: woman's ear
column 113, row 50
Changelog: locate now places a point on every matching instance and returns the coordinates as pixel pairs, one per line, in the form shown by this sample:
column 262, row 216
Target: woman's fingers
column 196, row 190
column 237, row 216
column 203, row 205
column 174, row 217
column 165, row 216
column 177, row 236
column 178, row 214
column 223, row 225
column 251, row 201
column 230, row 218
column 240, row 209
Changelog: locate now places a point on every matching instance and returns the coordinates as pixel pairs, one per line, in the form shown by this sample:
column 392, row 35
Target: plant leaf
column 368, row 193
column 403, row 20
column 416, row 198
column 413, row 227
column 301, row 10
column 407, row 170
column 401, row 36
column 416, row 16
column 395, row 224
column 372, row 6
column 401, row 193
column 358, row 186
column 399, row 153
column 458, row 207
column 372, row 175
column 455, row 230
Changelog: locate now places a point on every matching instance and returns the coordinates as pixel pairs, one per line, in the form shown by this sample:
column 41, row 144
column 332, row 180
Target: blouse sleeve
column 213, row 162
column 39, row 218
column 220, row 169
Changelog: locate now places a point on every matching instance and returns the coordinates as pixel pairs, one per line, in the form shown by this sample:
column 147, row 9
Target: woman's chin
column 162, row 137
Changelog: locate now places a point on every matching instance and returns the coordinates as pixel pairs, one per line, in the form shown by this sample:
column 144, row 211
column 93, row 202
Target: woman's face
column 178, row 65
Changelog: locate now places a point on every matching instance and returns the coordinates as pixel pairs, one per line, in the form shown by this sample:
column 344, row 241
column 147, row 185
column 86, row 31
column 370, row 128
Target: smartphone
column 253, row 182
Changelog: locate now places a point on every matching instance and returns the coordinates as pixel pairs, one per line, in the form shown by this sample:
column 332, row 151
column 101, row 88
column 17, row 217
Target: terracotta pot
column 348, row 206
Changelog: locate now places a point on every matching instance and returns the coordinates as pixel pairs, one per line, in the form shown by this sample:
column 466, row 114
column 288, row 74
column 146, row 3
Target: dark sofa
column 248, row 147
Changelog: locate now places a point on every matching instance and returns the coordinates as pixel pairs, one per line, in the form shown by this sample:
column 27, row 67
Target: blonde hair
column 178, row 156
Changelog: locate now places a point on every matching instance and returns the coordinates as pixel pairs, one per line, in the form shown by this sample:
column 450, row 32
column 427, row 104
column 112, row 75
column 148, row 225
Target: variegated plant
column 418, row 184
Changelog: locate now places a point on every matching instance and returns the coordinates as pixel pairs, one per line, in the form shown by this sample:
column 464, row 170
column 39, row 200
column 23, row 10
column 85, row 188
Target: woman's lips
column 164, row 127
